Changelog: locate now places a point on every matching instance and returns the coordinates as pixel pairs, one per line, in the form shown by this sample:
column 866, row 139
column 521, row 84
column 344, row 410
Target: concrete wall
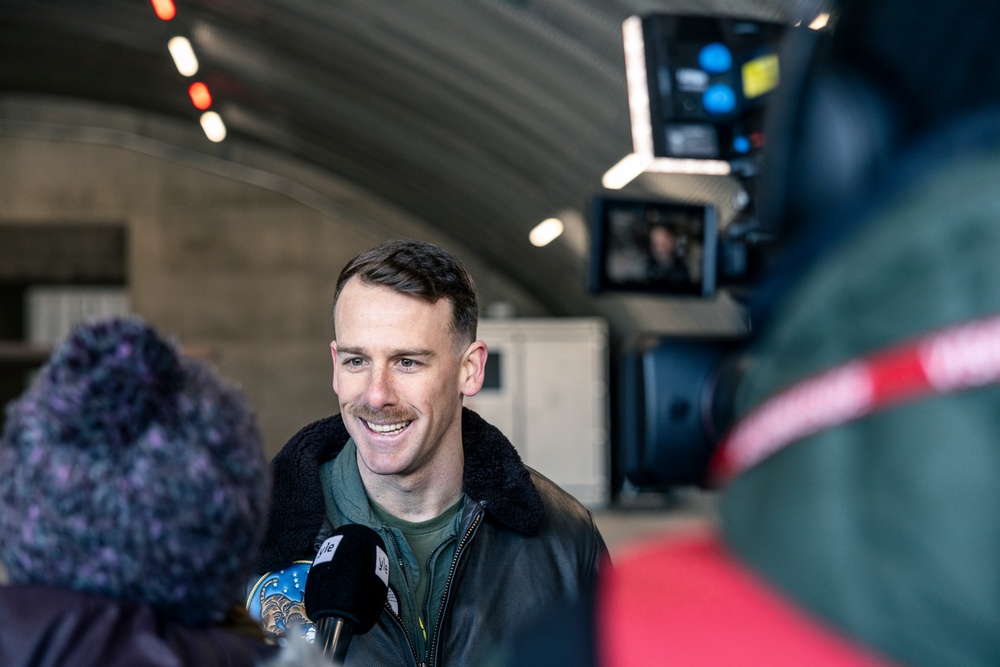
column 239, row 271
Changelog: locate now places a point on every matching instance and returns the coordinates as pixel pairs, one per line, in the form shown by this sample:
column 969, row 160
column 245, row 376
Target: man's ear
column 473, row 368
column 333, row 355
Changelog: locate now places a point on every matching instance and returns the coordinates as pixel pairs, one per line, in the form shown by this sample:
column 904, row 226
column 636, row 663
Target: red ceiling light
column 164, row 9
column 200, row 97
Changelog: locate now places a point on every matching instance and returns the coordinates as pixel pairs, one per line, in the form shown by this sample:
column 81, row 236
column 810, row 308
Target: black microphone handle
column 335, row 635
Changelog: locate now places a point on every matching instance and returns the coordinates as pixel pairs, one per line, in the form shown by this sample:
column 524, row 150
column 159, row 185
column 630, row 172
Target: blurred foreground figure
column 133, row 495
column 860, row 522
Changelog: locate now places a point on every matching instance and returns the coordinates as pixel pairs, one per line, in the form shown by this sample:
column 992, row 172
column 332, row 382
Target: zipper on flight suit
column 447, row 588
column 388, row 607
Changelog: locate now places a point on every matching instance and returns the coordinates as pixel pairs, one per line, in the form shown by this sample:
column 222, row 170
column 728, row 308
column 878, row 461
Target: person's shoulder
column 314, row 443
column 327, row 429
column 552, row 493
column 89, row 629
column 562, row 509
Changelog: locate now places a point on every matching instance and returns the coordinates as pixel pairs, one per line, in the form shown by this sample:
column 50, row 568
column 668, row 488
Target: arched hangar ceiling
column 479, row 117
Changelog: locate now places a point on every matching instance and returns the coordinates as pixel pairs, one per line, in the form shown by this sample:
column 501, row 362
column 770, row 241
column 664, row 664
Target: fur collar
column 494, row 476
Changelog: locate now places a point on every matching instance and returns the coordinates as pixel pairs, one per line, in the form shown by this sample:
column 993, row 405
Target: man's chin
column 380, row 453
column 381, row 465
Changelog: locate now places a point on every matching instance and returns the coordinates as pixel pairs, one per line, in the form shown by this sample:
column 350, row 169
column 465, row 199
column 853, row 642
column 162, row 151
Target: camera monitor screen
column 660, row 247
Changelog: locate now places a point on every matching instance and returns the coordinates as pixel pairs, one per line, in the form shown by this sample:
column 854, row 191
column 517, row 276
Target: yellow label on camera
column 760, row 76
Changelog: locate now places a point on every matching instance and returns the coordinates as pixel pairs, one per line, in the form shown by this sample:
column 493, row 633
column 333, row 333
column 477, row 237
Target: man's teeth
column 387, row 428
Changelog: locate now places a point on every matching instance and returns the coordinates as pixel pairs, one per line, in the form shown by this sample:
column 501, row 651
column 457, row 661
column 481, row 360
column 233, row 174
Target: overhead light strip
column 186, row 63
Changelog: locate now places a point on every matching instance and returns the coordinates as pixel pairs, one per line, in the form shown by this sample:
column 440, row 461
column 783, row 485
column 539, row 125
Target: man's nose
column 380, row 391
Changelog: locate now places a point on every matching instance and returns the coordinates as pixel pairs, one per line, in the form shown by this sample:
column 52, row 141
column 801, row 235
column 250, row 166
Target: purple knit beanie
column 130, row 472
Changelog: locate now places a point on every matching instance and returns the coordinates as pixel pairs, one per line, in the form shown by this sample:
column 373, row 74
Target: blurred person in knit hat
column 133, row 493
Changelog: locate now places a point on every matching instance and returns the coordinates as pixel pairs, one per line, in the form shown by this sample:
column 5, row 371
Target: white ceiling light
column 674, row 165
column 214, row 128
column 625, row 171
column 546, row 232
column 820, row 21
column 638, row 88
column 183, row 55
column 632, row 165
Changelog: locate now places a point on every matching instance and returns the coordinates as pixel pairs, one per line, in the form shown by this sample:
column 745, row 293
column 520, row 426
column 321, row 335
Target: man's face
column 400, row 375
column 662, row 243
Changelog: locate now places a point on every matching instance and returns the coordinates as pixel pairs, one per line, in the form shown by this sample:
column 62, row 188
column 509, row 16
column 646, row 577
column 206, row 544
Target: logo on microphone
column 327, row 551
column 381, row 565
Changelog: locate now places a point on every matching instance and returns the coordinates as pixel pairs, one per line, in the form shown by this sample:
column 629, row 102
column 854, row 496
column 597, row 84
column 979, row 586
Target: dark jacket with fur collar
column 530, row 544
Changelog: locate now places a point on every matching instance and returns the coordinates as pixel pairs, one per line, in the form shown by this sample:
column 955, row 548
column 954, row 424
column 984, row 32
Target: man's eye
column 355, row 362
column 407, row 363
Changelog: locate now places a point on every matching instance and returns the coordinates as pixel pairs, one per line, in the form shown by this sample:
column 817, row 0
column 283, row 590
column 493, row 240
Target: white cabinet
column 547, row 390
column 53, row 311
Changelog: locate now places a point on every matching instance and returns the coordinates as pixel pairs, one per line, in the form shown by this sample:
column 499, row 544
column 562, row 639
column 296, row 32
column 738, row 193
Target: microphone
column 346, row 587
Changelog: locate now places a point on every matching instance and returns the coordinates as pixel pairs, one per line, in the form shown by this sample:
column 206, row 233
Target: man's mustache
column 386, row 416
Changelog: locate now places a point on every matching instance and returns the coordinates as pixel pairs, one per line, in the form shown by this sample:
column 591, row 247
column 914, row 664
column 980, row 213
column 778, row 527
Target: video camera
column 697, row 87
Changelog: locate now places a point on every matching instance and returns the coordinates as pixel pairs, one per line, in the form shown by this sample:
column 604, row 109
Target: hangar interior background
column 465, row 122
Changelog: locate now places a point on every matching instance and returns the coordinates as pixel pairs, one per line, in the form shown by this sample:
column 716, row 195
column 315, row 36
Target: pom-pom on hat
column 128, row 471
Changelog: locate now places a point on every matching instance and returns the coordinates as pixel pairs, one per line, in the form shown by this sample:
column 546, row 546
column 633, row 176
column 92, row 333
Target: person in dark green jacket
column 859, row 518
column 878, row 513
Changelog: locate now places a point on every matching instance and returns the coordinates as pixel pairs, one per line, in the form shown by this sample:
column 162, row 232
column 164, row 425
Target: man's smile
column 387, row 429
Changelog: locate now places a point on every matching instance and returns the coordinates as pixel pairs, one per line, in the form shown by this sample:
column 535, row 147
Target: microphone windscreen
column 349, row 578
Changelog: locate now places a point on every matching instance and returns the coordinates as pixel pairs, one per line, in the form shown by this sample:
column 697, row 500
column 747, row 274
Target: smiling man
column 477, row 542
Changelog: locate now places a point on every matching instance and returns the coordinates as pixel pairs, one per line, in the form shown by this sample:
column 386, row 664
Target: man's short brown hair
column 421, row 269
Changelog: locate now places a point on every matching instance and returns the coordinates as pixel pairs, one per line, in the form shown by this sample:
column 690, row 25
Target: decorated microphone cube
column 347, row 580
column 276, row 601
